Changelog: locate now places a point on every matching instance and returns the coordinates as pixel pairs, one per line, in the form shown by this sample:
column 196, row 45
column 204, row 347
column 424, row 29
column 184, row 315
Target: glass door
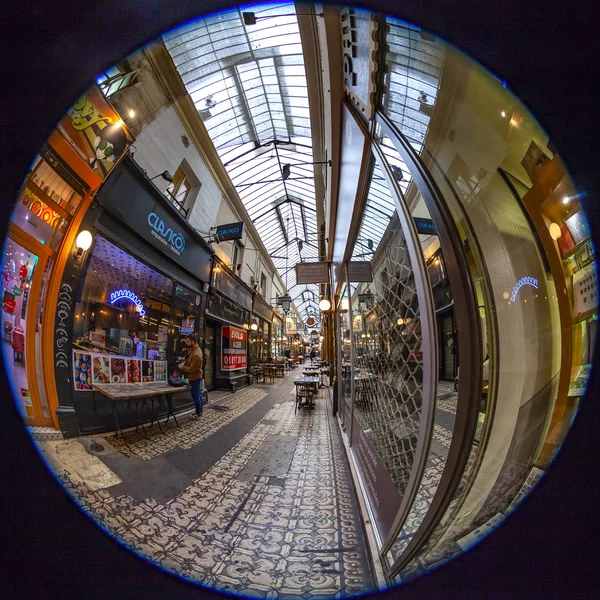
column 24, row 276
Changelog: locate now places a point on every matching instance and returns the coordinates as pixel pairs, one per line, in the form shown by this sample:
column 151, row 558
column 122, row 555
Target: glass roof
column 248, row 83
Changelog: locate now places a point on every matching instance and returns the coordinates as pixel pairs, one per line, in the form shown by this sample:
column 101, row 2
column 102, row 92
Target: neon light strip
column 523, row 281
column 128, row 295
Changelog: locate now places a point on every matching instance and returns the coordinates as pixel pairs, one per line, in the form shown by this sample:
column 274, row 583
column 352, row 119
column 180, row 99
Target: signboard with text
column 234, row 354
column 424, row 226
column 312, row 272
column 230, row 231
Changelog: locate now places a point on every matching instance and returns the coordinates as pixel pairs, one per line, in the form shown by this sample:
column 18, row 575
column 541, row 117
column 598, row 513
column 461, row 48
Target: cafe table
column 139, row 393
column 306, row 388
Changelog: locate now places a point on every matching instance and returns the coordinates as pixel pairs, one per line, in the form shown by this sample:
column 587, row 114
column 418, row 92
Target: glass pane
column 38, row 338
column 18, row 266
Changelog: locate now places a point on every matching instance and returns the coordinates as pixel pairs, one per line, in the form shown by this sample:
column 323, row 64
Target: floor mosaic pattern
column 293, row 534
column 191, row 431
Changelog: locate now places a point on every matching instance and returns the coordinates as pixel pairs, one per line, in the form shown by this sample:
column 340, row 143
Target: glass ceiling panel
column 249, row 86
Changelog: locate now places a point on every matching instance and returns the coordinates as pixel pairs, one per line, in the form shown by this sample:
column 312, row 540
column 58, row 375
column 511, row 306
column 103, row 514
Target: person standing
column 192, row 367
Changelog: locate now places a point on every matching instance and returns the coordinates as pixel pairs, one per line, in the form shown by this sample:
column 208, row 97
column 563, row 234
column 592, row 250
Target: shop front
column 228, row 320
column 134, row 296
column 260, row 331
column 277, row 336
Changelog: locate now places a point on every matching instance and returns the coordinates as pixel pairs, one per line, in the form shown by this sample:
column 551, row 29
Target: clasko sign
column 231, row 231
column 173, row 240
column 234, row 349
column 128, row 295
column 523, row 281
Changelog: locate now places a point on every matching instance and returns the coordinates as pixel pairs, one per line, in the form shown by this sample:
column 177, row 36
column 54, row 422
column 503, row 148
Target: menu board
column 93, row 368
column 147, row 370
column 82, row 371
column 101, row 369
column 134, row 371
column 117, row 370
column 160, row 370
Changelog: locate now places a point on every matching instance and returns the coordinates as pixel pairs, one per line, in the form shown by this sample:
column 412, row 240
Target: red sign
column 234, row 353
column 23, row 271
column 9, row 305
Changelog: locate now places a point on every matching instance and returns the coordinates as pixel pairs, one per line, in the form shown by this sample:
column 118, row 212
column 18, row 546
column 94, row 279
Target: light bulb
column 84, row 240
column 324, row 305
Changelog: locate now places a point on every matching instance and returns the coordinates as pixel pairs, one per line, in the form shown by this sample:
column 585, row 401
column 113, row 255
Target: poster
column 160, row 370
column 578, row 227
column 117, row 370
column 235, row 349
column 579, row 381
column 82, row 371
column 101, row 369
column 147, row 370
column 134, row 371
column 98, row 338
column 585, row 290
column 96, row 132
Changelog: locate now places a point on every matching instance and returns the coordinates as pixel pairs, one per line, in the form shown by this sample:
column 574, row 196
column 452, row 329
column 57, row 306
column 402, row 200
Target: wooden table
column 308, row 385
column 139, row 392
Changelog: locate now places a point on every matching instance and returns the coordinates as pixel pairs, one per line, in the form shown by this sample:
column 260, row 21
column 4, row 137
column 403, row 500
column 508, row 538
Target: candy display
column 117, row 370
column 134, row 371
column 147, row 370
column 101, row 369
column 160, row 370
column 82, row 371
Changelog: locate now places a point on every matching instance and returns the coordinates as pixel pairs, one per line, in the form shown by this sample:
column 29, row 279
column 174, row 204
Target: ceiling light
column 503, row 114
column 400, row 321
column 131, row 113
column 566, row 200
column 324, row 305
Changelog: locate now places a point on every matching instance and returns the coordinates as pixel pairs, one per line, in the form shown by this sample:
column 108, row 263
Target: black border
column 548, row 51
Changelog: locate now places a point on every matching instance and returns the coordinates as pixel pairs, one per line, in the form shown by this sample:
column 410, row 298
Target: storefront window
column 17, row 275
column 125, row 310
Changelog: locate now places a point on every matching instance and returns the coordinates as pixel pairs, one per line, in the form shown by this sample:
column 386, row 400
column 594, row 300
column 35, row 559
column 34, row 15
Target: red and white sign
column 234, row 353
column 23, row 271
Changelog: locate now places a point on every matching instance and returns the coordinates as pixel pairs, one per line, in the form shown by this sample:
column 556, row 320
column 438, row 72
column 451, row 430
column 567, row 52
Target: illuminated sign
column 231, row 231
column 173, row 240
column 523, row 281
column 128, row 295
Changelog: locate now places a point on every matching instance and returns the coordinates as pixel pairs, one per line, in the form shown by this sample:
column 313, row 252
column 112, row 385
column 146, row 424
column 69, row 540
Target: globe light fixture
column 83, row 242
column 324, row 305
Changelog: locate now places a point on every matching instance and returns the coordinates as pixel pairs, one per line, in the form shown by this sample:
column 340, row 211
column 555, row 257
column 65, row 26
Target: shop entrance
column 24, row 277
column 210, row 351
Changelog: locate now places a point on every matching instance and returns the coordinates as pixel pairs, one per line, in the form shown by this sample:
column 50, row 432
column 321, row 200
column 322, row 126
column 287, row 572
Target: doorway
column 210, row 351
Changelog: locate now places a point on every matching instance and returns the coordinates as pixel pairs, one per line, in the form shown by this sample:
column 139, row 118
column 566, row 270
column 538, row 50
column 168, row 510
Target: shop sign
column 17, row 291
column 127, row 195
column 312, row 272
column 234, row 354
column 224, row 309
column 187, row 326
column 357, row 323
column 310, row 321
column 290, row 327
column 231, row 231
column 424, row 226
column 262, row 309
column 95, row 132
column 382, row 494
column 128, row 295
column 231, row 288
column 174, row 240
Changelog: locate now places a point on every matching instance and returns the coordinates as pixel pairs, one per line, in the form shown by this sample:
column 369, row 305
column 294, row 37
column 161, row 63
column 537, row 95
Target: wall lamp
column 83, row 243
column 165, row 175
column 254, row 325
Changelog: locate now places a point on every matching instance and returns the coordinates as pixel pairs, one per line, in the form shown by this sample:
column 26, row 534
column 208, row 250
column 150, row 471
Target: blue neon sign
column 523, row 281
column 128, row 295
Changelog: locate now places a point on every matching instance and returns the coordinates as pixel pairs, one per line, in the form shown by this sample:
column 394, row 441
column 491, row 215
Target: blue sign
column 231, row 231
column 173, row 240
column 424, row 226
column 128, row 295
column 523, row 281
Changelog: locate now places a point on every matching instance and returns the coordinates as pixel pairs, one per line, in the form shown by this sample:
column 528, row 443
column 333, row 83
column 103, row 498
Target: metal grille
column 389, row 365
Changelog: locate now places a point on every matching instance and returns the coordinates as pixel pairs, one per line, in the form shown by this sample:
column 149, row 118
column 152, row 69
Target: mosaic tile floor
column 251, row 525
column 191, row 431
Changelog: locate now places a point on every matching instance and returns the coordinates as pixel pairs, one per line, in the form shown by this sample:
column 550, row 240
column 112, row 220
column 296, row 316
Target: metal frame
column 469, row 348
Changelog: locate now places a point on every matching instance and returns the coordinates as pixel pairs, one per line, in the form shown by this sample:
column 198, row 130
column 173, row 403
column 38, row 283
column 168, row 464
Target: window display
column 130, row 322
